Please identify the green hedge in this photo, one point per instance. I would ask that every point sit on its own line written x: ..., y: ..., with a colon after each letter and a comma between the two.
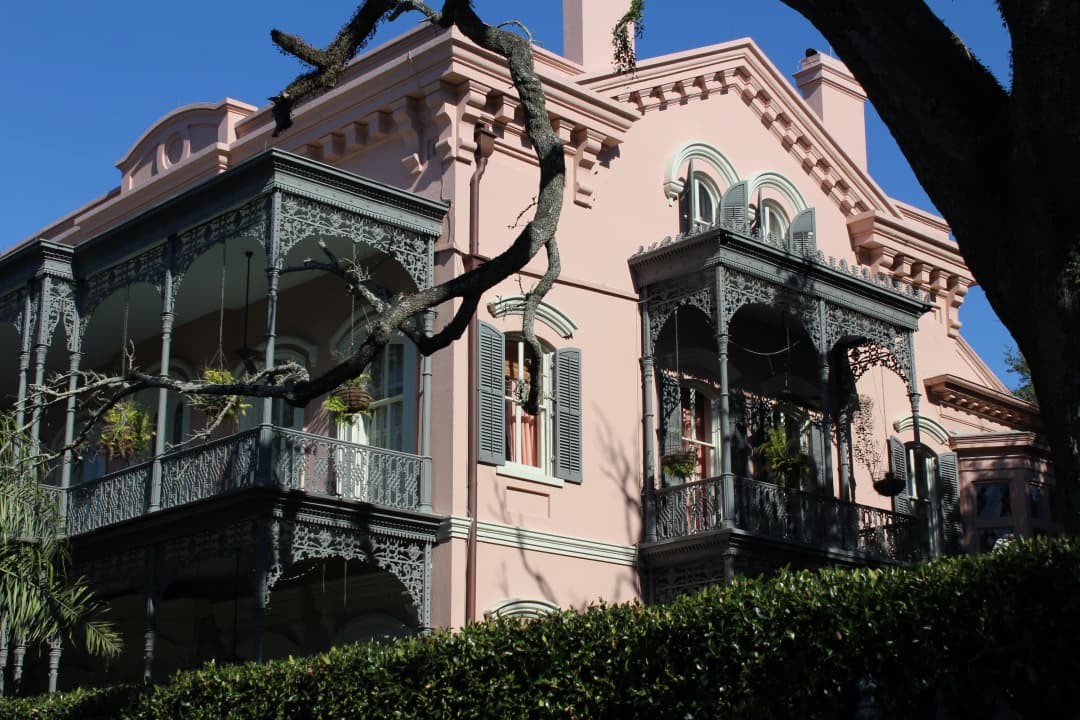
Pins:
x: 973, y: 635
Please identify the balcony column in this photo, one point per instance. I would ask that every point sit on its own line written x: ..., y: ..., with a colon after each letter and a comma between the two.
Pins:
x: 263, y: 553
x: 18, y: 655
x: 425, y: 419
x: 3, y: 652
x: 827, y: 477
x: 264, y: 467
x: 648, y: 420
x: 727, y: 477
x: 41, y: 349
x: 843, y: 423
x: 26, y: 334
x: 74, y: 359
x: 150, y: 633
x: 167, y: 319
x: 921, y: 479
x: 56, y: 649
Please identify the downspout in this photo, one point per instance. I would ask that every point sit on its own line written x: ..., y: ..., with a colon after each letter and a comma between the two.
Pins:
x: 485, y: 145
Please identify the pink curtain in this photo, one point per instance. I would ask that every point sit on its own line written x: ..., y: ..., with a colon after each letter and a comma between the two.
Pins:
x: 529, y: 453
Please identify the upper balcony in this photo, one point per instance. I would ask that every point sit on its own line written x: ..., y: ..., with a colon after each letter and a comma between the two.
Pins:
x: 300, y: 462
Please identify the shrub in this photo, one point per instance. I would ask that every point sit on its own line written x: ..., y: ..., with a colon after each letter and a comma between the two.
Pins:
x: 974, y: 636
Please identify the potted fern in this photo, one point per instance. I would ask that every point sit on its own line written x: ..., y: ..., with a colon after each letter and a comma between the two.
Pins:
x: 787, y: 465
x: 127, y: 431
x: 350, y: 399
x: 212, y: 406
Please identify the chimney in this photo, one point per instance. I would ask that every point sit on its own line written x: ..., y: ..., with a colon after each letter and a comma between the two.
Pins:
x: 838, y: 99
x: 587, y: 28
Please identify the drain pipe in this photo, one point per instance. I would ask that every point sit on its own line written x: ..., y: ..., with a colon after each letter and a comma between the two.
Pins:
x: 485, y: 145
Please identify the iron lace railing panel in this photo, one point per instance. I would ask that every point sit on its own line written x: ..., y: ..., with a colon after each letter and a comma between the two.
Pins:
x: 325, y: 466
x: 785, y: 514
x: 207, y: 470
x: 109, y: 499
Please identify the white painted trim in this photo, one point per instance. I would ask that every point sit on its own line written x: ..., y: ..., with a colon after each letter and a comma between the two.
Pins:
x: 697, y: 149
x: 782, y: 185
x: 927, y: 425
x: 520, y: 608
x: 519, y: 471
x: 456, y: 527
x: 547, y: 313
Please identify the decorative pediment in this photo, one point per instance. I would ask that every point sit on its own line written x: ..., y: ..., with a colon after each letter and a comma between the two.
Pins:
x: 174, y: 138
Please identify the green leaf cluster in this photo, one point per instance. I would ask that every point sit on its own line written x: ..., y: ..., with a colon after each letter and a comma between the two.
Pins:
x: 230, y: 408
x: 988, y: 636
x: 127, y: 430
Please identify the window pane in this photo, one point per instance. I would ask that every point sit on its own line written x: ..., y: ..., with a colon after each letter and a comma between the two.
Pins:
x: 395, y: 369
x: 992, y: 500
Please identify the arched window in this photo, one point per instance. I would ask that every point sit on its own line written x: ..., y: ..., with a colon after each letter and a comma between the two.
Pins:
x: 774, y: 221
x: 699, y: 203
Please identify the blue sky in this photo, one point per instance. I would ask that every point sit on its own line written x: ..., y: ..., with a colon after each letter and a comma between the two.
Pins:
x: 84, y: 80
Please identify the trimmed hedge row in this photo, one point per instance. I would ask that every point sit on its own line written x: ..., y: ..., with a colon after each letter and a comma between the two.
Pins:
x: 971, y: 635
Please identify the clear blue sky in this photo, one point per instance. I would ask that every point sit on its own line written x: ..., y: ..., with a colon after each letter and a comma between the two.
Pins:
x: 83, y: 80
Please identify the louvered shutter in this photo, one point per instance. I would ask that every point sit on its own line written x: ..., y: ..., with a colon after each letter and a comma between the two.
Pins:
x: 949, y: 489
x: 801, y: 233
x: 898, y: 466
x: 670, y: 411
x: 817, y: 455
x: 491, y: 404
x: 733, y: 207
x: 567, y: 425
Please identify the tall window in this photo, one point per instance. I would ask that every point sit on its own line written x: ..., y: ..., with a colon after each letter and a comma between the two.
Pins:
x: 390, y: 420
x: 545, y: 446
x: 697, y: 430
x: 916, y: 487
x: 528, y: 436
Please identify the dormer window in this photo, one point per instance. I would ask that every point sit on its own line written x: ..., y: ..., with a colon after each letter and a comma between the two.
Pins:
x: 698, y: 203
x: 773, y: 219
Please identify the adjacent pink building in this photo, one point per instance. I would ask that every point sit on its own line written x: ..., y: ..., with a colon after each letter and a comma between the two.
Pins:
x: 748, y: 335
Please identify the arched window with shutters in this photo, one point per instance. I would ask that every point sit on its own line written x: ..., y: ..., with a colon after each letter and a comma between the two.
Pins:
x: 546, y: 446
x: 943, y: 468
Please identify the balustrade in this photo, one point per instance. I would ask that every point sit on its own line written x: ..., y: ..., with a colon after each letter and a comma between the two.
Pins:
x: 326, y: 466
x: 301, y: 461
x: 777, y: 512
x: 109, y: 499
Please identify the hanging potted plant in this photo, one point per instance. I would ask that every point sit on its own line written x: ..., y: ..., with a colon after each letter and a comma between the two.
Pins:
x: 126, y: 432
x: 787, y: 465
x: 867, y: 453
x: 212, y: 406
x: 680, y: 463
x: 350, y: 399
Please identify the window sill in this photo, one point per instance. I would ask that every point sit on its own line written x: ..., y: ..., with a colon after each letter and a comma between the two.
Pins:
x: 527, y: 472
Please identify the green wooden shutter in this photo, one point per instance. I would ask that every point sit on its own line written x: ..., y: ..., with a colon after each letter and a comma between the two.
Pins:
x: 491, y: 403
x: 949, y: 492
x: 898, y: 465
x: 800, y: 239
x: 567, y: 424
x: 733, y: 207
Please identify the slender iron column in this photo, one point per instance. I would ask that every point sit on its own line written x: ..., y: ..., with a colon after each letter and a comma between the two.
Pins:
x: 826, y: 410
x: 921, y: 479
x: 727, y: 477
x: 648, y: 420
x: 843, y: 422
x: 56, y: 648
x: 74, y: 358
x: 263, y: 538
x: 150, y: 633
x: 41, y: 348
x: 167, y: 319
x: 26, y: 332
x: 264, y: 472
x: 18, y: 655
x: 425, y: 419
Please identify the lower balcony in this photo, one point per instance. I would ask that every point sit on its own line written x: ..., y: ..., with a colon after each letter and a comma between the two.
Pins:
x: 299, y: 461
x: 771, y: 512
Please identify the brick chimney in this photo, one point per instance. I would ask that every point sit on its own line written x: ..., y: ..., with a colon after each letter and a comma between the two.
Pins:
x: 838, y: 99
x: 587, y: 26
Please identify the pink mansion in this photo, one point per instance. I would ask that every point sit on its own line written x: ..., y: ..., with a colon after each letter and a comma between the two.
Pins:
x: 749, y: 343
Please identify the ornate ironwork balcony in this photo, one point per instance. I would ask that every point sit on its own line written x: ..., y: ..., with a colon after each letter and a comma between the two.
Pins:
x: 299, y: 461
x: 792, y: 515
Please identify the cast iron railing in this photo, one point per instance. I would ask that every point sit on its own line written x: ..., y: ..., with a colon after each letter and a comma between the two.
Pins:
x: 325, y: 466
x: 299, y: 461
x: 776, y: 512
x: 109, y: 499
